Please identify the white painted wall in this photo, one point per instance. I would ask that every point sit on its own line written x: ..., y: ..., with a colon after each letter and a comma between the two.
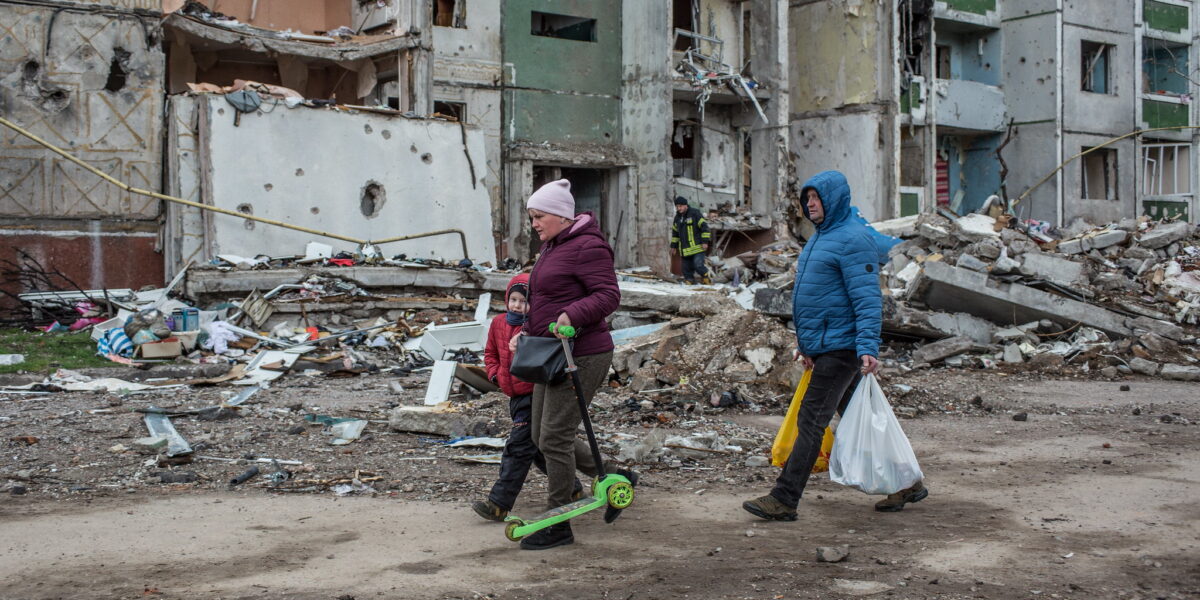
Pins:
x: 420, y: 163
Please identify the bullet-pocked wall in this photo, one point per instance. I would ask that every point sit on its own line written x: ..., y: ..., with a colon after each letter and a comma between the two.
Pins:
x: 842, y: 104
x: 1099, y: 108
x: 466, y: 82
x: 646, y: 126
x: 426, y: 183
x: 562, y: 70
x: 92, y: 83
x: 1031, y: 74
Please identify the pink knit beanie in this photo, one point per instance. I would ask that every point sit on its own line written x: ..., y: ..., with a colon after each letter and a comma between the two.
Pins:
x: 554, y: 198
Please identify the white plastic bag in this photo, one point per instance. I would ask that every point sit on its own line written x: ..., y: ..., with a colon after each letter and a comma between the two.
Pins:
x: 870, y: 451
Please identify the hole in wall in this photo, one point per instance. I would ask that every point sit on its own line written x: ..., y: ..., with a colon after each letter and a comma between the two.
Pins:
x: 314, y: 210
x: 29, y: 71
x: 268, y: 187
x: 367, y: 129
x: 413, y: 148
x: 117, y: 75
x: 246, y: 209
x: 49, y: 99
x: 387, y: 135
x: 299, y: 172
x: 427, y: 158
x: 372, y: 199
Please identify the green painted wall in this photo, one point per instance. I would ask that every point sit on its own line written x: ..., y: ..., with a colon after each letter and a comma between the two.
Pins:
x: 566, y: 90
x: 539, y: 116
x: 556, y: 64
x: 1165, y: 209
x: 911, y: 98
x: 979, y: 7
x: 1165, y: 17
x: 1164, y: 114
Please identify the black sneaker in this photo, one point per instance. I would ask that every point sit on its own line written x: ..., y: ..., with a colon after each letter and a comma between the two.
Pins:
x: 554, y: 535
x: 769, y: 508
x: 610, y: 513
x: 489, y: 510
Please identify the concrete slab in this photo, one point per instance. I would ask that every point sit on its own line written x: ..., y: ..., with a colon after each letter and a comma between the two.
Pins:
x: 214, y: 284
x: 963, y: 324
x: 1180, y: 372
x: 433, y: 419
x: 944, y: 287
x: 1054, y: 268
x: 1164, y: 235
x: 942, y: 349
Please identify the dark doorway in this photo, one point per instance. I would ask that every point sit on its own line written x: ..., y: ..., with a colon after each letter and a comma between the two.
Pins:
x: 590, y: 188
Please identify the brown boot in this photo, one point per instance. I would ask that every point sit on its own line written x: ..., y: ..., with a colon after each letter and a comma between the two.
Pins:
x: 769, y: 508
x: 896, y: 502
x: 489, y: 510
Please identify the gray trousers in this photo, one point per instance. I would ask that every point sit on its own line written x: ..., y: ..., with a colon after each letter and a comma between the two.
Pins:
x: 556, y: 422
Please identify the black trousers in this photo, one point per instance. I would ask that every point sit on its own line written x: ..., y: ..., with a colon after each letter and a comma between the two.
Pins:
x: 693, y: 265
x: 519, y: 453
x: 835, y: 376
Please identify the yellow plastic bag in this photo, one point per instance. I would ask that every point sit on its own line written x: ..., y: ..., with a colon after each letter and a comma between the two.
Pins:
x: 785, y: 438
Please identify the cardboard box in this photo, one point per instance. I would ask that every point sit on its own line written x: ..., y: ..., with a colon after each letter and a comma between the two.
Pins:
x: 168, y: 348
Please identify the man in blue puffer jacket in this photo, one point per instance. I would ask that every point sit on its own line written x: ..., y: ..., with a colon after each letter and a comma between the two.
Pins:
x: 838, y: 311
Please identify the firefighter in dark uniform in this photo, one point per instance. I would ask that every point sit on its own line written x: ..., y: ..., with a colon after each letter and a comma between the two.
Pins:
x: 690, y: 239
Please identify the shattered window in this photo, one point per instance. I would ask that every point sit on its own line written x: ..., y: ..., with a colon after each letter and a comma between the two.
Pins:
x: 1095, y: 60
x: 1100, y: 175
x: 563, y: 27
x: 457, y: 110
x: 1165, y: 68
x: 450, y: 13
x: 1167, y: 169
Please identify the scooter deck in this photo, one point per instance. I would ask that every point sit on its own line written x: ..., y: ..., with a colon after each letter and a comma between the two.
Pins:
x: 518, y: 528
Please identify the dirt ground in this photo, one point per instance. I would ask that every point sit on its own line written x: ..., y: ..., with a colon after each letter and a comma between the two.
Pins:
x: 1093, y: 496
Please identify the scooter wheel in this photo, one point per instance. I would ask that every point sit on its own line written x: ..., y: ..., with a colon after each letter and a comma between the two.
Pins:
x: 620, y: 495
x: 510, y: 530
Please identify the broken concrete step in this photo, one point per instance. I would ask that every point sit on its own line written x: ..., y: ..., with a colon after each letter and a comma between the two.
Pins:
x: 945, y: 287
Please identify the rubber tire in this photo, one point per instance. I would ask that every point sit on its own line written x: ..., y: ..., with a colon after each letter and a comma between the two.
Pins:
x: 620, y: 495
x: 511, y: 528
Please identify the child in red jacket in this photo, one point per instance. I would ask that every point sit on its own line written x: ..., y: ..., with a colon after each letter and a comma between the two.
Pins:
x: 519, y: 451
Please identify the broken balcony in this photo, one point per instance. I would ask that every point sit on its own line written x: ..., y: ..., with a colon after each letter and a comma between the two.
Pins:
x: 966, y: 15
x: 970, y: 106
x: 359, y: 69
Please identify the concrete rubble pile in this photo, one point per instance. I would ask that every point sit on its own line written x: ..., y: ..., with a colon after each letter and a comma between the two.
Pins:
x: 1119, y: 298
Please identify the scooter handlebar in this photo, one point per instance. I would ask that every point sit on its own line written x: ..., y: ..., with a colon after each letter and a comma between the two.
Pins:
x: 565, y: 330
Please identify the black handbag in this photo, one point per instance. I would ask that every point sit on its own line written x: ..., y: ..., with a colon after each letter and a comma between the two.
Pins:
x: 539, y: 360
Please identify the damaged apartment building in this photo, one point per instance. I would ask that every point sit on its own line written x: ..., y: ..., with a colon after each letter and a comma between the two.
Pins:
x: 375, y: 119
x: 989, y: 97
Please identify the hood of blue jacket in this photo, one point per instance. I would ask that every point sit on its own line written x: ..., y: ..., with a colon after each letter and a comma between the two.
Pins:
x: 834, y: 191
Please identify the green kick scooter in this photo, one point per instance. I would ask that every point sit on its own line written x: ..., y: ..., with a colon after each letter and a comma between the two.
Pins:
x: 607, y: 490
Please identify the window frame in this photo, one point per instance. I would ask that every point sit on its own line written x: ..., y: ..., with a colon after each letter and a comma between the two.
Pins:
x: 1110, y: 174
x: 1098, y: 50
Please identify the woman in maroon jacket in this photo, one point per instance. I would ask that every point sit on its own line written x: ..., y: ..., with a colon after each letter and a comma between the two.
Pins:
x: 573, y: 283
